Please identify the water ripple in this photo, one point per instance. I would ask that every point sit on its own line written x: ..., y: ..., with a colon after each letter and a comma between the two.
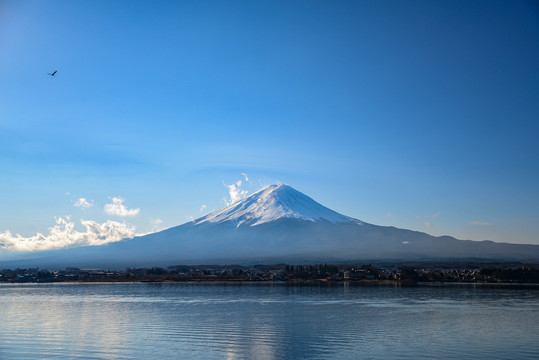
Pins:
x: 196, y: 321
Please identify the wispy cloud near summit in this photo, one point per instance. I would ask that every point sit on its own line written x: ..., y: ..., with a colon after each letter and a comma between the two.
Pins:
x: 235, y: 192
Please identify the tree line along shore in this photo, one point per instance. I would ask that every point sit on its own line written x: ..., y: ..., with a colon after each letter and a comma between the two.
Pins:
x: 406, y: 273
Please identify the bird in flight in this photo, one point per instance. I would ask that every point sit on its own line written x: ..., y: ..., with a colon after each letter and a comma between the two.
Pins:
x: 54, y: 72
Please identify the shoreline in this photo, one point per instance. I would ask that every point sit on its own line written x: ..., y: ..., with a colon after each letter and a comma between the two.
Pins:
x: 325, y: 282
x: 290, y: 274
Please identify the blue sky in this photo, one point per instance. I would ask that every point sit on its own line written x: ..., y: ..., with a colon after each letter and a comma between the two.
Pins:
x: 421, y: 115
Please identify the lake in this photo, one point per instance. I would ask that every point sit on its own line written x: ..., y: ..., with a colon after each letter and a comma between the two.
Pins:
x: 268, y: 321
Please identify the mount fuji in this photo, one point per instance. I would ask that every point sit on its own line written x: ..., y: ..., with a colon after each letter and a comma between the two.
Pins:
x: 273, y: 203
x: 281, y: 224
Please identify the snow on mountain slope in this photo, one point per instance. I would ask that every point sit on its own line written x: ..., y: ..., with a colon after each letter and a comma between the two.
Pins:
x: 272, y: 203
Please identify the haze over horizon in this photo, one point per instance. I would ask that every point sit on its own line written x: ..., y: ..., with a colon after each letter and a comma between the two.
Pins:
x: 419, y: 115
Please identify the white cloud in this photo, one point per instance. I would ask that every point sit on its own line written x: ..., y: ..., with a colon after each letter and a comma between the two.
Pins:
x: 83, y: 203
x: 118, y: 208
x: 245, y: 175
x: 63, y: 234
x: 156, y: 224
x: 428, y: 224
x: 235, y: 192
x: 479, y: 223
x: 204, y: 206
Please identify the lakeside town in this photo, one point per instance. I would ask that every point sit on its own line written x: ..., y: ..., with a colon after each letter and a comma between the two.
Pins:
x: 407, y: 273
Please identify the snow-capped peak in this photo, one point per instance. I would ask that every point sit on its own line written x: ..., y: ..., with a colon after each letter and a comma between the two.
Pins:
x: 271, y: 203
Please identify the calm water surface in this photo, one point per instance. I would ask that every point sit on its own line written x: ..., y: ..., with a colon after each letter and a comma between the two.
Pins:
x: 267, y: 321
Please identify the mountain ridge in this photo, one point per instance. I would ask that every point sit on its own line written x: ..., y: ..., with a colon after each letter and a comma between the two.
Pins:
x: 279, y: 223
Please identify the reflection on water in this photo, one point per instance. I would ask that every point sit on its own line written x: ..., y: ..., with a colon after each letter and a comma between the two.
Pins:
x: 267, y: 321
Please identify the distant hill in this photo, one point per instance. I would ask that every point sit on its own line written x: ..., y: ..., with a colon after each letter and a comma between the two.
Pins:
x: 278, y: 224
